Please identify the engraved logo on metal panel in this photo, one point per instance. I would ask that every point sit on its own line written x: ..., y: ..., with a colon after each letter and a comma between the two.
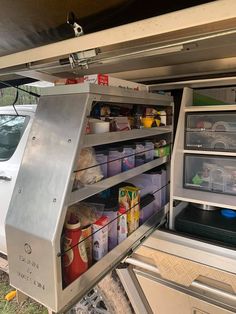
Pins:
x: 27, y: 248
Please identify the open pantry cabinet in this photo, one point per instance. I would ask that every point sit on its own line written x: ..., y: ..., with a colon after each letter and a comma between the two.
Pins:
x: 40, y: 250
x: 192, y: 259
x: 192, y: 47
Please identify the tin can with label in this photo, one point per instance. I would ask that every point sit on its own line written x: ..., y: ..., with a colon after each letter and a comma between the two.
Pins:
x: 74, y: 260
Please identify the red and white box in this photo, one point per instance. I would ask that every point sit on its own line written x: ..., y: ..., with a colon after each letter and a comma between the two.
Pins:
x: 100, y: 238
x: 105, y: 80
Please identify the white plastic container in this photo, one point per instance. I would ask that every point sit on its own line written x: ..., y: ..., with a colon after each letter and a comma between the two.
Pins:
x: 97, y: 127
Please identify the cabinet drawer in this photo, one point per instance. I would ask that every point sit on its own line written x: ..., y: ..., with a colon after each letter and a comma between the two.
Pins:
x: 208, y: 173
x: 189, y: 279
x: 208, y: 140
x: 184, y: 271
x: 211, y: 131
x: 168, y: 300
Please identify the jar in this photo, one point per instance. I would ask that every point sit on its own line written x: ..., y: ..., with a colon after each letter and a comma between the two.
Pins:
x: 114, y: 167
x: 128, y: 161
x: 149, y: 154
x: 74, y: 260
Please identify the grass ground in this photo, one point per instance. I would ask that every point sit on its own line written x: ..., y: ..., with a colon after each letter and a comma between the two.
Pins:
x: 12, y: 307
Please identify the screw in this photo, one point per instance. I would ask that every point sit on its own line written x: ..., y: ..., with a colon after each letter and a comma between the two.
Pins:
x: 19, y: 191
x: 33, y: 138
x: 54, y: 200
x: 69, y: 140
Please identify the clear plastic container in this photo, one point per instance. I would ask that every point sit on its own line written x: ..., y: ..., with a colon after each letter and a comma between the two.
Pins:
x: 114, y: 167
x: 128, y: 161
x: 102, y: 158
x: 211, y: 131
x: 149, y: 154
x: 140, y: 158
x: 207, y: 173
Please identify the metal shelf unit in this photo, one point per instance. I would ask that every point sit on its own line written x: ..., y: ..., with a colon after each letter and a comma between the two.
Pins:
x: 177, y: 191
x: 42, y: 192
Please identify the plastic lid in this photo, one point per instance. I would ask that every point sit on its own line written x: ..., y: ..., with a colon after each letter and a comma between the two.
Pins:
x: 229, y: 213
x: 72, y: 222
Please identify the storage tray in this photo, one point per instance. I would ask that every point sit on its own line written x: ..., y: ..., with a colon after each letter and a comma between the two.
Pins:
x: 211, y: 131
x: 208, y: 173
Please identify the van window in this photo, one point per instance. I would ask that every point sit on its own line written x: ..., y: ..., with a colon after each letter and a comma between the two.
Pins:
x: 11, y: 129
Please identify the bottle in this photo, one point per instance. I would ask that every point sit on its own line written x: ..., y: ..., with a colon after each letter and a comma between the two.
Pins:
x: 122, y: 224
x: 74, y: 260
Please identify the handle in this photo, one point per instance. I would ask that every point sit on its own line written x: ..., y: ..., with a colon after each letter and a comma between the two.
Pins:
x: 195, y: 145
x: 195, y: 283
x: 5, y: 178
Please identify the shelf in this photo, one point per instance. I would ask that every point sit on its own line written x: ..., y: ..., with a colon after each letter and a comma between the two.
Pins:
x: 114, y: 257
x: 112, y: 137
x: 102, y: 185
x: 209, y: 152
x: 210, y: 108
x: 208, y: 198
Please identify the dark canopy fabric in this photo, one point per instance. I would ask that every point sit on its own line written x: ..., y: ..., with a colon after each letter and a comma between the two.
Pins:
x: 26, y: 24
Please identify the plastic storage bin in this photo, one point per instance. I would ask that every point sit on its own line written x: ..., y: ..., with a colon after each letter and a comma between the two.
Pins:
x: 128, y: 161
x: 140, y: 158
x: 102, y: 158
x: 114, y: 167
x: 207, y: 173
x: 211, y: 131
x: 149, y: 154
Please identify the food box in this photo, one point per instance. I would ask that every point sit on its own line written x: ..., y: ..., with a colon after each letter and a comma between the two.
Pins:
x: 100, y: 238
x: 103, y: 79
x: 129, y: 198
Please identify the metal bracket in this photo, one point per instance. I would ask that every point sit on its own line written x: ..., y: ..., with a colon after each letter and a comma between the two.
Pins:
x: 73, y: 21
x: 82, y: 59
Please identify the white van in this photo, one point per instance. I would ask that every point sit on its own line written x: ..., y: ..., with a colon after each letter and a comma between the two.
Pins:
x: 14, y: 131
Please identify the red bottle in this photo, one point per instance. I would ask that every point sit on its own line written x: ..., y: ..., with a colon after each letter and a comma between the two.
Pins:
x: 75, y: 260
